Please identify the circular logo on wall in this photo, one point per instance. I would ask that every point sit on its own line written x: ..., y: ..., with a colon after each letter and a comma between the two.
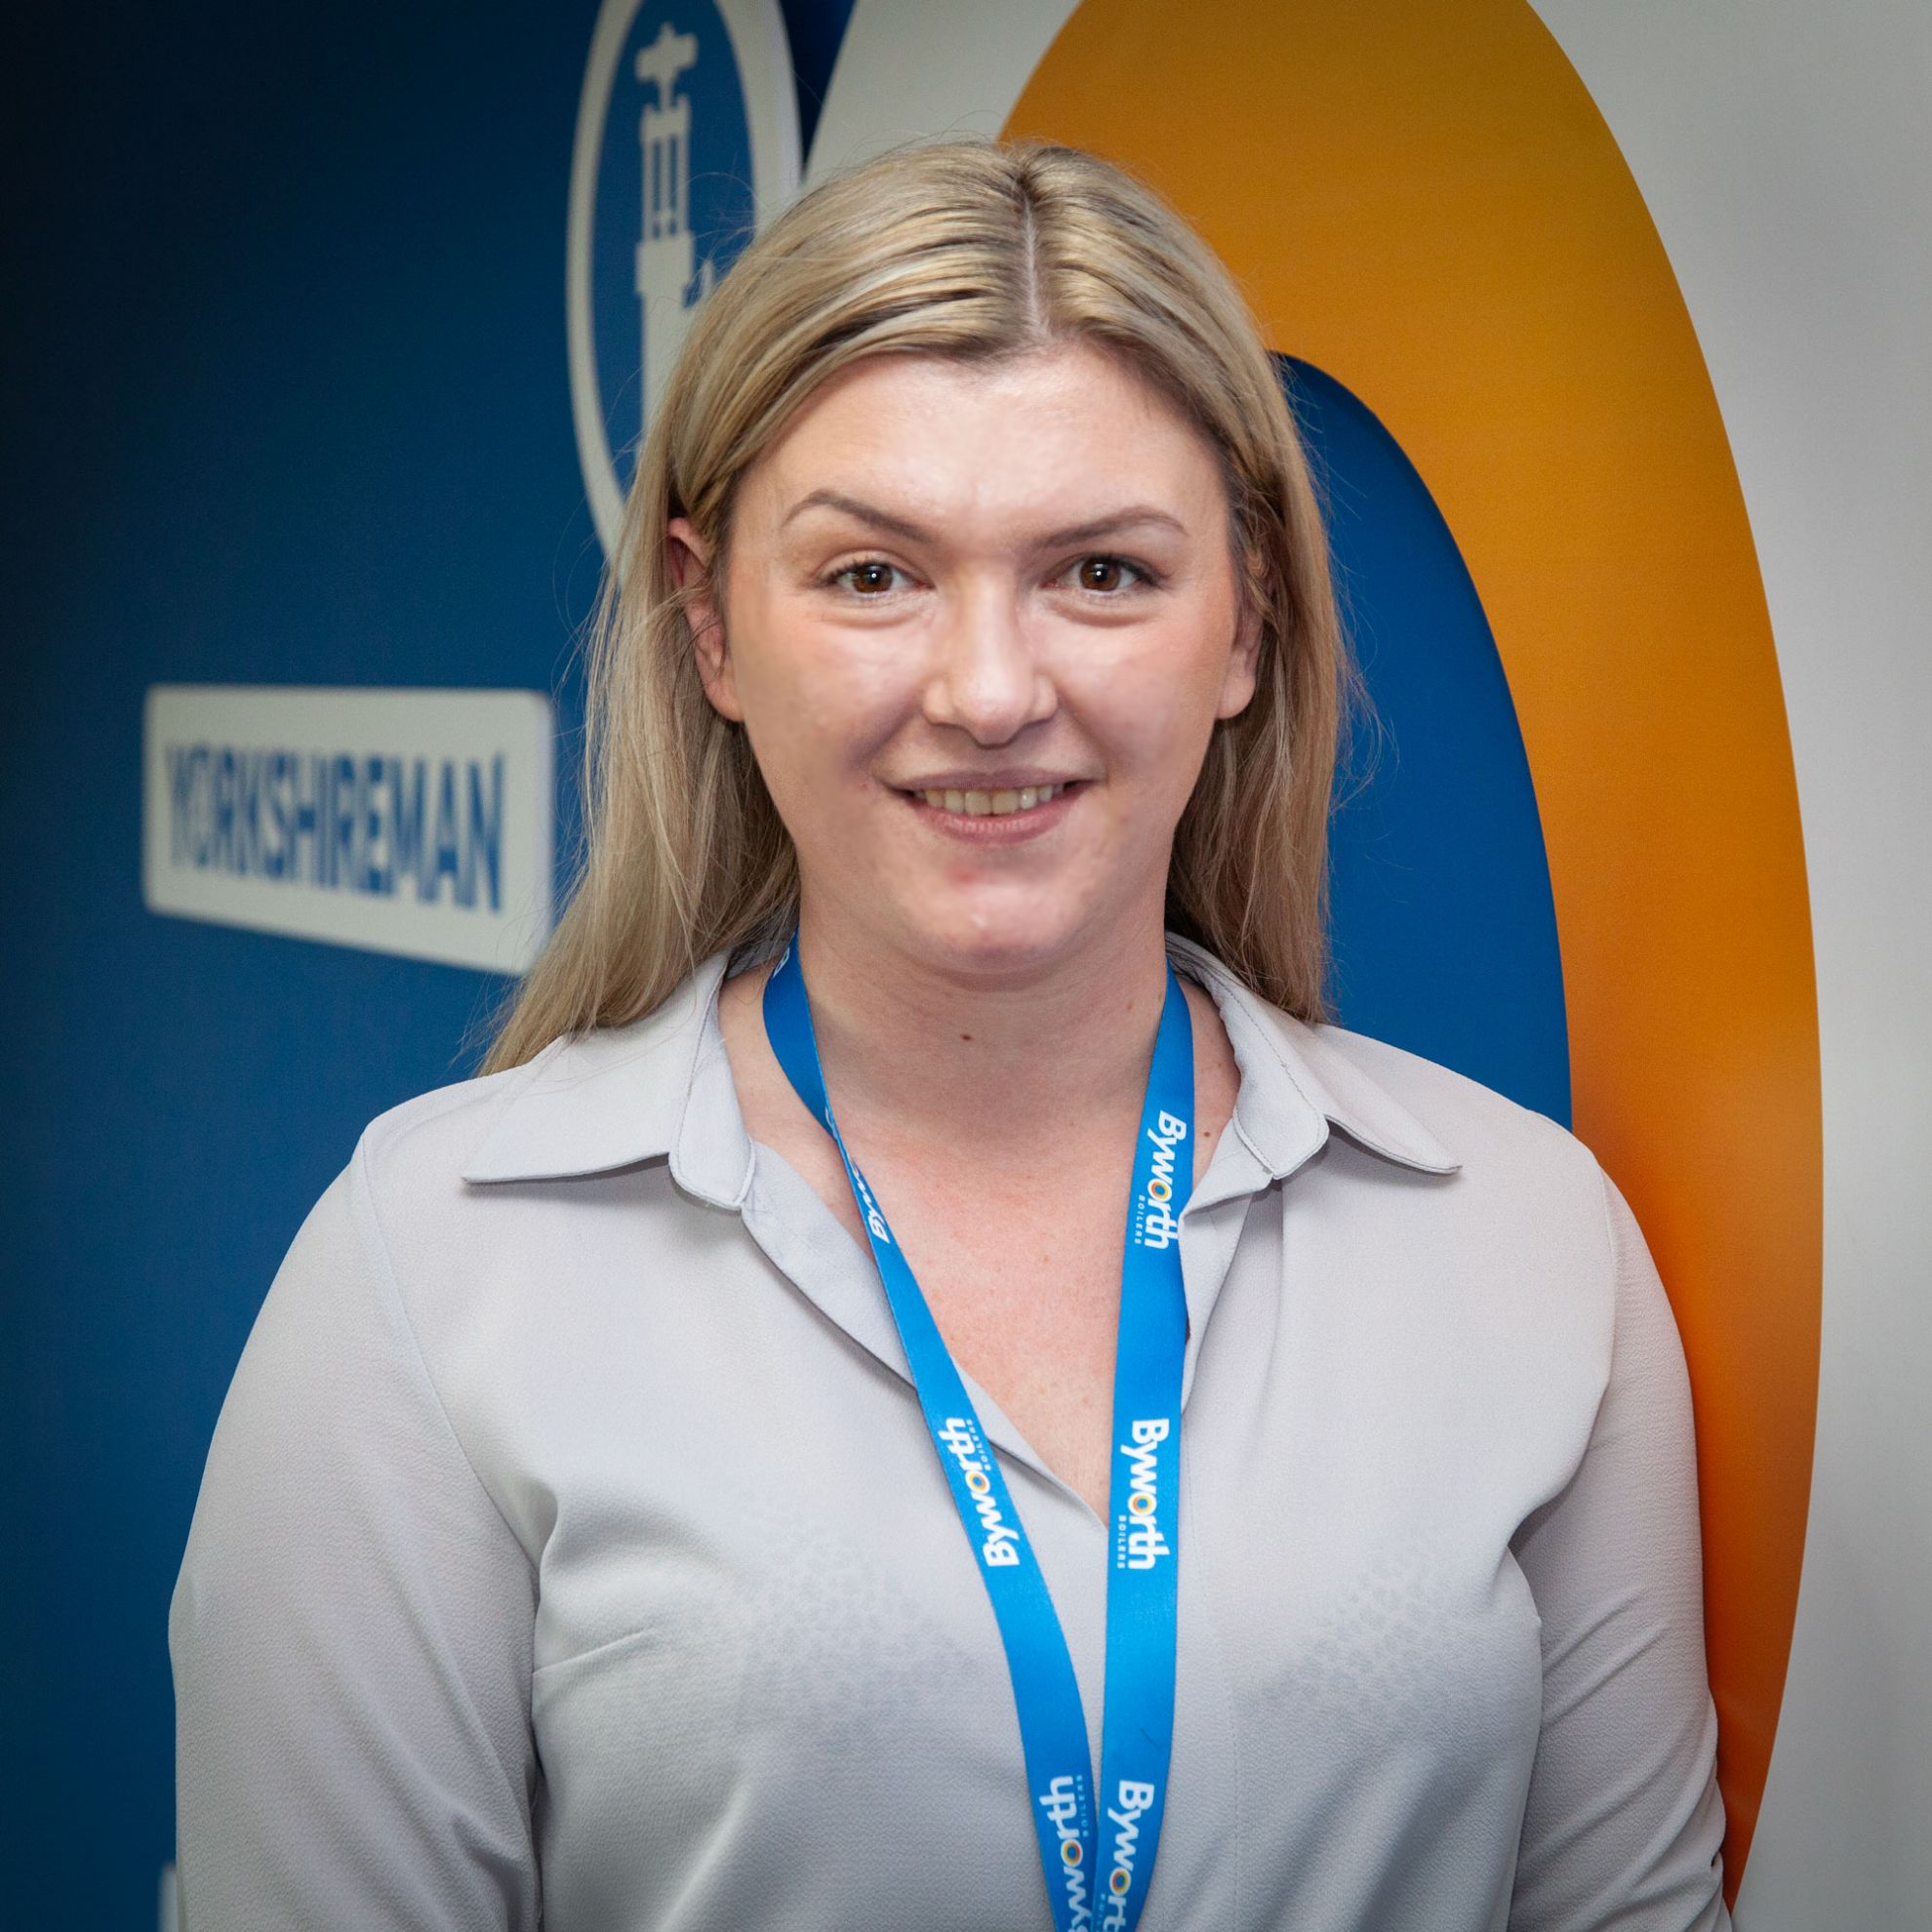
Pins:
x: 687, y: 143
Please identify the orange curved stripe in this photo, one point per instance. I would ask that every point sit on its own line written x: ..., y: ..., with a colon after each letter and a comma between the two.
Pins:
x: 1420, y: 197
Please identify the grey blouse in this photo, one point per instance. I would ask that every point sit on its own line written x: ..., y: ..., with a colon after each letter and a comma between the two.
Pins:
x: 571, y: 1549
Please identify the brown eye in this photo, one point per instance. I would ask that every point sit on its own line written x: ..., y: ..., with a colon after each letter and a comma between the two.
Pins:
x: 868, y: 579
x: 1106, y: 575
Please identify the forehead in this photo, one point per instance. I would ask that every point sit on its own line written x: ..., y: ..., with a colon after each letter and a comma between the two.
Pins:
x: 1035, y: 434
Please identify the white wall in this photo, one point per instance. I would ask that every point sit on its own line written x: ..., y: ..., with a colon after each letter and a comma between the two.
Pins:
x: 1782, y: 148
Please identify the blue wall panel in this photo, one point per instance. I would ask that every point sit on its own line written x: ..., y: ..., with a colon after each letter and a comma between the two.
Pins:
x: 288, y: 403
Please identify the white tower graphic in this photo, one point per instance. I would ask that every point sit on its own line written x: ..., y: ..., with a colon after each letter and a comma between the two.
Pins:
x: 671, y: 265
x: 667, y: 289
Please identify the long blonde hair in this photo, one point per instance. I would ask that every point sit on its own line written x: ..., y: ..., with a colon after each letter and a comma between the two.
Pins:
x: 972, y: 249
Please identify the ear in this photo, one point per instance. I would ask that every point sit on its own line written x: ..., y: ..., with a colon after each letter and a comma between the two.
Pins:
x: 1237, y: 687
x: 689, y: 558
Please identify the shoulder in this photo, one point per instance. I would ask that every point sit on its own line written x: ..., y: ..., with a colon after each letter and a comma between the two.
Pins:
x: 440, y: 1171
x: 1501, y: 1208
x: 1514, y: 1263
x: 466, y: 1204
x: 1307, y: 1085
x: 1510, y: 1161
x: 589, y: 1103
x: 402, y: 1185
x: 494, y: 1179
x: 1481, y: 1124
x: 342, y: 1311
x: 424, y: 1143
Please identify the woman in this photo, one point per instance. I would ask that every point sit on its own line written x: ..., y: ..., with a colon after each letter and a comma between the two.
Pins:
x: 725, y: 1467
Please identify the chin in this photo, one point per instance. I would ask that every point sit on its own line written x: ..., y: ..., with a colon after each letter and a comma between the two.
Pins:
x: 994, y: 941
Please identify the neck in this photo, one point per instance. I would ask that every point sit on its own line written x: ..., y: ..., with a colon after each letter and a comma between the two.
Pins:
x: 914, y: 1050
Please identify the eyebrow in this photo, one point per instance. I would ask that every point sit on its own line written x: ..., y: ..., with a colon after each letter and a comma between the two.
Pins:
x: 1129, y: 517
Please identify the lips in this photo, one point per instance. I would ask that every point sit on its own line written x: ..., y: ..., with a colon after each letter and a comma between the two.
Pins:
x: 989, y: 815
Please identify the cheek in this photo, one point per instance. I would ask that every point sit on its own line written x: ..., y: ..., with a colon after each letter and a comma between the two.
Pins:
x: 1154, y: 711
x: 817, y: 702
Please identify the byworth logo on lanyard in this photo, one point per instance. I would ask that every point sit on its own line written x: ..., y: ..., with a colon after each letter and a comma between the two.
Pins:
x: 1097, y: 1850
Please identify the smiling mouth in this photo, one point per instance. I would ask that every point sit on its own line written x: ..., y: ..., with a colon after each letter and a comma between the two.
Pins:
x: 991, y: 804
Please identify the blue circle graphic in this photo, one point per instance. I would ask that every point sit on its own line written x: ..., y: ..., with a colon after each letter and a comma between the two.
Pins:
x: 1443, y: 923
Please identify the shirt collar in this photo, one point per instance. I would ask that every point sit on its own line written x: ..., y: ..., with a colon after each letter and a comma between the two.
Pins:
x: 661, y: 1086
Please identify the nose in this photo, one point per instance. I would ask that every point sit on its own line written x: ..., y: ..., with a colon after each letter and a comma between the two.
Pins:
x: 987, y: 678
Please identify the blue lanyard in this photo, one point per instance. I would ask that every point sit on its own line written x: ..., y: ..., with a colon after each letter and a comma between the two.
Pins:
x: 1097, y: 1871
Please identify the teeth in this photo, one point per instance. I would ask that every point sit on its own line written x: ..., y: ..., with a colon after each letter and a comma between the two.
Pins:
x: 991, y: 804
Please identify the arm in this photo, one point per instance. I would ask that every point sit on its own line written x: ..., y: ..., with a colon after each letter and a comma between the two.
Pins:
x: 350, y: 1631
x: 1624, y: 1822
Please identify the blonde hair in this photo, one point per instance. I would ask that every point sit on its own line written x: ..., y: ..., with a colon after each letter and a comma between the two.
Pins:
x: 975, y: 251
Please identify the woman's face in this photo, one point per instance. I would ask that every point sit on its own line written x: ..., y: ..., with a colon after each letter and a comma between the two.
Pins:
x: 980, y: 623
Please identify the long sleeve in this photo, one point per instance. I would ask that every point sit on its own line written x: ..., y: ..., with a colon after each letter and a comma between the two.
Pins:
x: 1624, y: 1820
x: 352, y: 1629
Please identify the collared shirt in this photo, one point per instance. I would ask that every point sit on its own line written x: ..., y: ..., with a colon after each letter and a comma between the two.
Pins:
x: 571, y: 1545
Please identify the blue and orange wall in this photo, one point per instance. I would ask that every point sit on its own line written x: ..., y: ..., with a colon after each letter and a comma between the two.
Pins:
x: 1623, y: 503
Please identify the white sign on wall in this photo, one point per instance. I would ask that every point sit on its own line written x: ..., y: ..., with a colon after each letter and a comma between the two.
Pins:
x: 408, y: 821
